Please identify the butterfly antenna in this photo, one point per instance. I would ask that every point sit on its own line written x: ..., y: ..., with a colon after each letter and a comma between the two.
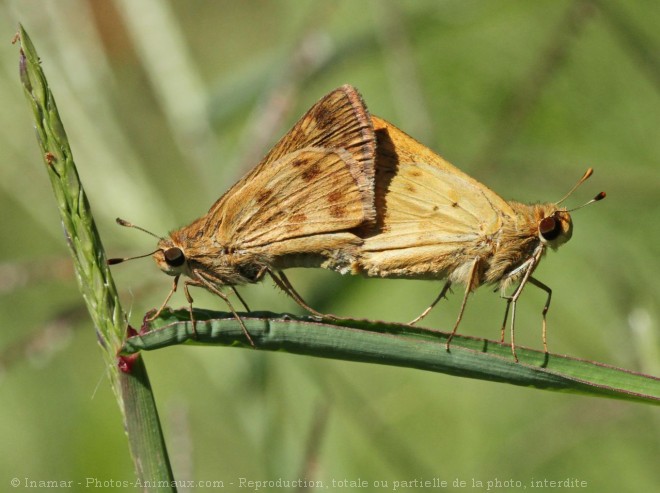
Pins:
x: 115, y: 261
x: 123, y: 222
x: 584, y: 178
x: 598, y: 197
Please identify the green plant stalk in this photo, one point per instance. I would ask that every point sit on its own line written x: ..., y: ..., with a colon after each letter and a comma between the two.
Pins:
x: 399, y: 345
x: 131, y: 387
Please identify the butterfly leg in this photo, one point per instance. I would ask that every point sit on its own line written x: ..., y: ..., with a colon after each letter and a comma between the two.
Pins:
x: 247, y: 308
x: 190, y: 302
x: 529, y: 267
x: 547, y: 289
x: 203, y: 282
x: 285, y: 285
x: 469, y: 286
x: 442, y: 294
x: 506, y: 315
x: 511, y: 302
x: 167, y: 299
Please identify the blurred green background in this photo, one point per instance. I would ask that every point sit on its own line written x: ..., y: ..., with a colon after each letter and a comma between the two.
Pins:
x: 168, y: 103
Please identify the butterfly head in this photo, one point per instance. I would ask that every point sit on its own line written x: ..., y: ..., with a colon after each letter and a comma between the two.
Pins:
x: 170, y: 258
x: 555, y: 228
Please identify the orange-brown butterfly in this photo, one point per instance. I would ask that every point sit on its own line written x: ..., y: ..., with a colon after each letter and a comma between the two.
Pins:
x: 299, y: 207
x: 436, y: 222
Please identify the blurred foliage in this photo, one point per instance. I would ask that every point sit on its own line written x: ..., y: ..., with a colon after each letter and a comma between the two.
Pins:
x: 167, y: 103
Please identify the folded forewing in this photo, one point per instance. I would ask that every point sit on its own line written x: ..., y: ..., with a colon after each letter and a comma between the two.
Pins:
x: 305, y: 193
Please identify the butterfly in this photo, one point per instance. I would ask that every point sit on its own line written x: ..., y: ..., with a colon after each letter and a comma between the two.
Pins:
x: 299, y: 207
x: 436, y: 222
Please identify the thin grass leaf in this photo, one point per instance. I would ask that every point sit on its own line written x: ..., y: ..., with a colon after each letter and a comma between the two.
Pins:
x: 398, y: 345
x: 131, y: 388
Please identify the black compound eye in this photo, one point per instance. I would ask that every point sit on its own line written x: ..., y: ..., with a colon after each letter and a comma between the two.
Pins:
x: 174, y: 257
x: 549, y: 228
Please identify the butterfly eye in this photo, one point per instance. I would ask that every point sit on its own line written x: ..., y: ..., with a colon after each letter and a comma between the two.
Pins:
x: 549, y: 228
x: 174, y: 257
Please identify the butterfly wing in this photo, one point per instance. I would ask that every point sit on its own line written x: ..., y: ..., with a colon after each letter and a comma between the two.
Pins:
x: 317, y: 181
x: 305, y: 193
x: 430, y: 213
x: 337, y: 122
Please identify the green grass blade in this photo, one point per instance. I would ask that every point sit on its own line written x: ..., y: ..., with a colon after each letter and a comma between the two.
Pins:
x: 132, y: 388
x: 399, y: 345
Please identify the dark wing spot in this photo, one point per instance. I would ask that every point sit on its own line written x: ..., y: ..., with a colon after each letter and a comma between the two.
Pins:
x: 436, y: 208
x: 335, y: 196
x: 415, y: 173
x: 337, y: 211
x: 298, y: 218
x: 298, y: 162
x: 410, y: 188
x: 264, y: 196
x: 323, y: 117
x: 454, y: 204
x: 311, y: 173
